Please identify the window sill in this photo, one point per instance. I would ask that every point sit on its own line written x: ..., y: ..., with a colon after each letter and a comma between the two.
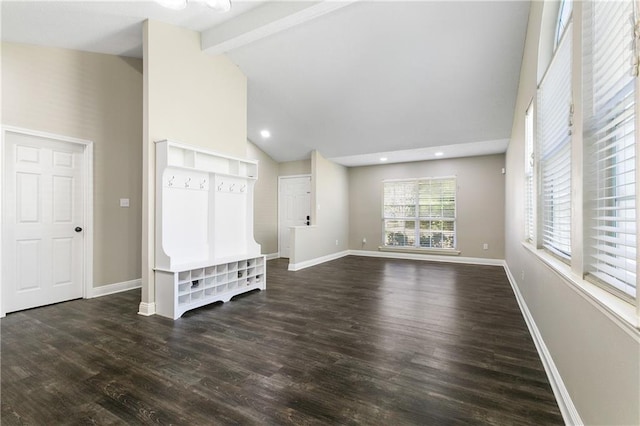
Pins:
x: 620, y: 311
x: 443, y: 252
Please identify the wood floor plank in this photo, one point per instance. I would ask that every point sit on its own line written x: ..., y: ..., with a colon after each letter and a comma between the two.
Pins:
x: 353, y: 341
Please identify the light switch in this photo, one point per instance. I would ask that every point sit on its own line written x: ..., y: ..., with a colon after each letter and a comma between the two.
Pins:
x: 124, y: 202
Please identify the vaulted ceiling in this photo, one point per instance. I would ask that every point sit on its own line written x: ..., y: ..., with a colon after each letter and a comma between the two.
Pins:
x: 360, y: 81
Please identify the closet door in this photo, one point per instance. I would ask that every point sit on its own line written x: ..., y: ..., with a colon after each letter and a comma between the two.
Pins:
x: 43, y: 226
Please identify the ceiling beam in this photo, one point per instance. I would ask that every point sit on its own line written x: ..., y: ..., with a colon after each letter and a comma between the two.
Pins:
x: 263, y: 21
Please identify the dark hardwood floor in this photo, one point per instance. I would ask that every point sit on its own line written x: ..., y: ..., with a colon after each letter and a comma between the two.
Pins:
x: 353, y: 341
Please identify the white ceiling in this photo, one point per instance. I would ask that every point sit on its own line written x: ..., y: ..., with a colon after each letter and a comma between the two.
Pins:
x: 395, y: 79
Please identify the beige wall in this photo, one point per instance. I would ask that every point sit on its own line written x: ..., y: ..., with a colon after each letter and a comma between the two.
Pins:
x: 598, y: 360
x: 479, y: 203
x: 291, y: 168
x: 99, y: 98
x: 265, y: 211
x: 330, y: 208
x: 190, y: 97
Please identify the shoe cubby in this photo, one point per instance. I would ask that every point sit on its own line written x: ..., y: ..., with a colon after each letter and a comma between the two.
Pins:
x: 180, y: 291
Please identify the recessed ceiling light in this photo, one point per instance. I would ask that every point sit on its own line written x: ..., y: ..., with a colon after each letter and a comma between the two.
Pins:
x: 383, y: 158
x: 265, y: 133
x: 439, y: 154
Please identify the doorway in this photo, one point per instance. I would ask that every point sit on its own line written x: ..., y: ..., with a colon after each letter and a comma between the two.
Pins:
x: 46, y: 219
x: 294, y: 208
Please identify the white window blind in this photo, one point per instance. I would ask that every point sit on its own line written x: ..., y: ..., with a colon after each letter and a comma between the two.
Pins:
x: 610, y: 110
x: 420, y: 213
x: 554, y: 136
x: 529, y: 228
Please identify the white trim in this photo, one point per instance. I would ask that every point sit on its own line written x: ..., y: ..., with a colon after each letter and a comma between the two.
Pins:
x: 420, y: 250
x: 87, y: 176
x: 105, y: 290
x: 565, y: 403
x: 272, y: 256
x: 429, y: 257
x: 394, y: 255
x: 88, y: 219
x: 147, y: 309
x: 318, y: 260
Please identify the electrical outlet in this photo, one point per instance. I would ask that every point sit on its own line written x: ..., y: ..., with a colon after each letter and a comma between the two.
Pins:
x: 485, y: 246
x: 336, y: 242
x: 364, y: 240
x: 124, y: 202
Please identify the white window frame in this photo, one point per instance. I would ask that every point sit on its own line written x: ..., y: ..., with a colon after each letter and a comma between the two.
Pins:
x: 565, y: 13
x: 530, y: 175
x: 417, y: 218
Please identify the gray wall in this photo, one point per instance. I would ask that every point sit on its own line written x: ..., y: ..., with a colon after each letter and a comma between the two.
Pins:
x: 265, y: 202
x: 479, y: 202
x: 598, y: 359
x: 99, y: 98
x: 330, y: 208
x: 290, y: 168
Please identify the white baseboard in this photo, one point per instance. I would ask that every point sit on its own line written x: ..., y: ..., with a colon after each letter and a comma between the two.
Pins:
x: 318, y: 260
x: 565, y: 403
x: 429, y: 257
x: 115, y: 288
x: 396, y: 255
x: 272, y: 256
x: 147, y: 309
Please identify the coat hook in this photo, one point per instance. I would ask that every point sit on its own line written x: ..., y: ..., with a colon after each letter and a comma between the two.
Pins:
x: 186, y: 184
x: 202, y: 183
x: 231, y: 186
x: 242, y: 188
x: 220, y: 186
x: 171, y: 180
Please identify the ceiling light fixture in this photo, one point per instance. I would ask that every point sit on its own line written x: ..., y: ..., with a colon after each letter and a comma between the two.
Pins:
x: 173, y: 4
x: 220, y: 6
x: 265, y: 133
x: 383, y: 158
x: 439, y: 154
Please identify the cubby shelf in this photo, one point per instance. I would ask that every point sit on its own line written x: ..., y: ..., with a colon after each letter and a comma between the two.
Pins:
x: 186, y: 157
x: 180, y: 291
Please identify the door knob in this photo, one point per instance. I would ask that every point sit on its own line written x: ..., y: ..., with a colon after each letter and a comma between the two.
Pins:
x: 78, y: 229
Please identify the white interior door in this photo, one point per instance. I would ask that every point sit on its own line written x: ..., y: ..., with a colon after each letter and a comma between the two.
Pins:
x: 294, y: 208
x: 43, y: 257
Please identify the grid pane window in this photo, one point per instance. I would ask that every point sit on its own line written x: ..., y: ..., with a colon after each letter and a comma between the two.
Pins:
x: 420, y: 213
x: 400, y: 233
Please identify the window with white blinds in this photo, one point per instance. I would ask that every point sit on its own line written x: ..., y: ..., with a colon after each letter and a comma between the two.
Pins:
x: 419, y: 213
x: 529, y: 216
x: 554, y: 139
x: 610, y: 144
